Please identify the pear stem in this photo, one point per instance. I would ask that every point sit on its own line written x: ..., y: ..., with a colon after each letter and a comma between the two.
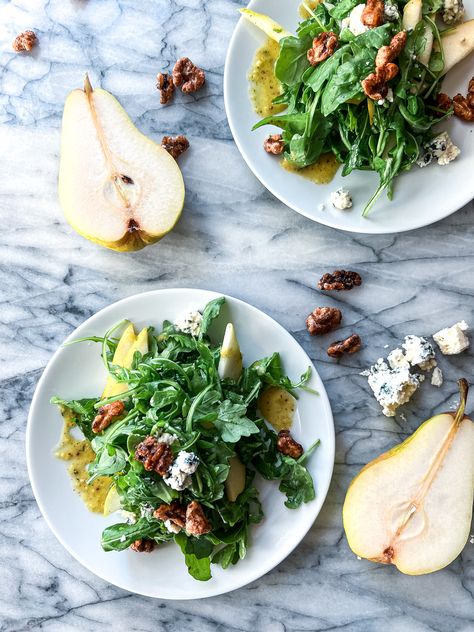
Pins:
x: 463, y: 391
x: 88, y: 89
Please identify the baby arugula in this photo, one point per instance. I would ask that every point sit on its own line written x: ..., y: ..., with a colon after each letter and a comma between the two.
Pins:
x: 327, y: 110
x: 175, y: 388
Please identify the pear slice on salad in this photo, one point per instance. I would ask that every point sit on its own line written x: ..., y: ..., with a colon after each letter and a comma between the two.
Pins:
x: 412, y: 14
x: 457, y: 43
x: 125, y: 343
x: 265, y: 24
x: 141, y: 345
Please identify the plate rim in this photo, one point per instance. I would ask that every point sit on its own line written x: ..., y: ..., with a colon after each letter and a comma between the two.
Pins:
x: 372, y: 229
x: 260, y: 571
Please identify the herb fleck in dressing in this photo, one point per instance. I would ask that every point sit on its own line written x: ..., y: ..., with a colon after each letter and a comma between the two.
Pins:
x: 321, y: 172
x: 80, y: 454
x: 278, y: 407
x: 264, y: 86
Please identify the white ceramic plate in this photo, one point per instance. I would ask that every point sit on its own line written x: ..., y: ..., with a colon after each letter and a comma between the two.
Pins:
x: 422, y: 196
x: 76, y: 371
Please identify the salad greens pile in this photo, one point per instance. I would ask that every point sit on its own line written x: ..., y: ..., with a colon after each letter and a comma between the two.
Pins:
x: 175, y: 388
x: 327, y: 110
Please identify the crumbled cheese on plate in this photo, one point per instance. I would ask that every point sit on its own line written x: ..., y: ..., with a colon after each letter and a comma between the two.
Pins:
x: 189, y: 323
x: 341, y: 199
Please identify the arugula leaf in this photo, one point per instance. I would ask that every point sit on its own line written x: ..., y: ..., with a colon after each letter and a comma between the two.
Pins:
x: 343, y: 8
x: 120, y: 536
x: 196, y: 556
x: 232, y: 422
x: 210, y: 313
x: 84, y: 413
x: 292, y: 60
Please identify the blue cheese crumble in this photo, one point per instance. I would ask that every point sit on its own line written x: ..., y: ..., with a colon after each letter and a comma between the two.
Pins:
x: 442, y: 148
x: 354, y: 21
x: 419, y: 352
x: 341, y: 199
x: 189, y: 323
x: 452, y: 340
x: 392, y: 387
x: 390, y: 11
x: 179, y: 474
x: 453, y: 11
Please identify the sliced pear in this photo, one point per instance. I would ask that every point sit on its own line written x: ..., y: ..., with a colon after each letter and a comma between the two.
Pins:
x: 230, y: 362
x: 412, y: 506
x: 141, y: 345
x: 371, y: 110
x: 124, y: 344
x: 235, y: 482
x: 265, y: 24
x: 424, y: 57
x: 457, y: 43
x: 412, y: 14
x: 112, y: 502
x: 116, y: 186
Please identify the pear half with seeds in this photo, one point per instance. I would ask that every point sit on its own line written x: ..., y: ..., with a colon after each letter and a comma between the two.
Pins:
x: 117, y: 187
x: 412, y: 506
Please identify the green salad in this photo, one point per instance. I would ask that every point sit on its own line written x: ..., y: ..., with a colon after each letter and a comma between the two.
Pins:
x: 179, y: 432
x: 351, y: 89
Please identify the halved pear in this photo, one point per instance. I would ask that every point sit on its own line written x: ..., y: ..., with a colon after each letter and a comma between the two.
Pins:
x: 457, y: 43
x: 116, y: 186
x: 265, y: 24
x: 412, y: 506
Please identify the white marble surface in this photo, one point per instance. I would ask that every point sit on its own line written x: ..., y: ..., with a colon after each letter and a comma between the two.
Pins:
x: 235, y: 238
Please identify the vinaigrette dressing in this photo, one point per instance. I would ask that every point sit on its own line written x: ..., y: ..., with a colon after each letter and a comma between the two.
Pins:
x: 321, y: 172
x: 278, y: 407
x: 264, y: 86
x: 79, y: 454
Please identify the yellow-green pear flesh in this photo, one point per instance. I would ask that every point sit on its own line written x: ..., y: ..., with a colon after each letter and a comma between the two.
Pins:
x: 457, y: 44
x: 117, y: 187
x: 412, y: 506
x: 412, y: 14
x: 126, y: 341
x: 141, y: 345
x: 235, y: 482
x: 424, y: 56
x: 265, y: 24
x: 230, y: 361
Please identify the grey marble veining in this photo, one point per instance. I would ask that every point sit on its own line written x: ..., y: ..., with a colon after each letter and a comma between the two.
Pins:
x: 233, y: 237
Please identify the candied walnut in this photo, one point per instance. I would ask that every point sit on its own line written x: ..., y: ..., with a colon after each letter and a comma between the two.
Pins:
x: 322, y: 320
x: 174, y: 512
x: 470, y: 93
x: 196, y: 521
x: 106, y: 415
x: 175, y: 145
x: 155, y: 455
x: 187, y: 75
x: 339, y: 280
x: 349, y: 345
x: 443, y: 101
x: 164, y: 83
x: 373, y: 13
x: 462, y: 109
x: 375, y: 86
x: 386, y: 54
x: 24, y: 41
x: 288, y: 446
x: 323, y: 47
x: 143, y: 546
x: 274, y: 144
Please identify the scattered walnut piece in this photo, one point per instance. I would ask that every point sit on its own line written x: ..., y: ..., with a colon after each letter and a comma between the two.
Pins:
x: 339, y: 280
x: 373, y: 13
x: 288, y: 446
x: 175, y: 512
x: 187, y: 75
x: 443, y: 101
x: 106, y: 415
x: 274, y: 144
x: 24, y: 41
x: 175, y: 145
x: 323, y: 47
x: 375, y: 86
x: 462, y: 109
x: 143, y: 546
x: 349, y: 345
x: 322, y: 320
x: 196, y: 521
x: 386, y: 54
x: 164, y: 83
x: 154, y: 455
